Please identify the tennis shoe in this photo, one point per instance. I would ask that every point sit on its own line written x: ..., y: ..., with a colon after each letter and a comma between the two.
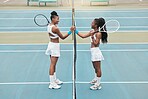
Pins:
x: 57, y: 81
x: 96, y: 87
x: 93, y: 81
x: 54, y: 86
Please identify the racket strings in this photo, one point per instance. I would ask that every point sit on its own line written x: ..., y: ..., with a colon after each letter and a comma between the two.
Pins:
x: 110, y: 26
x: 41, y: 20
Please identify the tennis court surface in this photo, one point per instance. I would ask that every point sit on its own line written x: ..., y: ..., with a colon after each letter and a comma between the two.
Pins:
x: 24, y: 65
x: 24, y: 72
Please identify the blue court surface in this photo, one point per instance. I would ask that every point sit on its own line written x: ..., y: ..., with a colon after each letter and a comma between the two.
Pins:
x: 24, y: 67
x: 24, y: 72
x: 22, y: 20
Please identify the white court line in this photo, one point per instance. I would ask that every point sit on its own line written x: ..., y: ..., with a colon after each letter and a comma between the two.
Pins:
x: 86, y: 10
x: 77, y: 82
x: 35, y: 51
x: 79, y: 18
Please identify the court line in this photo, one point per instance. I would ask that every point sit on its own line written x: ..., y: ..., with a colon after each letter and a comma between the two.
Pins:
x: 80, y: 18
x: 86, y: 10
x: 35, y: 51
x: 77, y: 82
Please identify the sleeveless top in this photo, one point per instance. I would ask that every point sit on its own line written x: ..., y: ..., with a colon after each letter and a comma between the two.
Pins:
x: 93, y: 36
x: 53, y: 35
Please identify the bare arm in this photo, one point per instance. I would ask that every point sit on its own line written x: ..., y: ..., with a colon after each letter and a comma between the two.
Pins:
x: 84, y: 35
x: 81, y: 34
x: 97, y: 40
x: 57, y: 31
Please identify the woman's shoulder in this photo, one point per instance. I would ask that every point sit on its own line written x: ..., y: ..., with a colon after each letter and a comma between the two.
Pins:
x: 98, y: 34
x: 55, y: 29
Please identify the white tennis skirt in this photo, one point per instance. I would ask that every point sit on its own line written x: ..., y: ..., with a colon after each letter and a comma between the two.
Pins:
x: 96, y: 54
x: 53, y: 49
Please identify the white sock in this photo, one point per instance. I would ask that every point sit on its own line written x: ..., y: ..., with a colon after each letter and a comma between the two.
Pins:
x: 98, y: 80
x: 54, y: 76
x: 51, y: 78
x: 95, y: 76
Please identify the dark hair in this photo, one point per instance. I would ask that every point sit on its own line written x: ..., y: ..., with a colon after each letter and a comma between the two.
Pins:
x: 53, y: 14
x: 100, y: 22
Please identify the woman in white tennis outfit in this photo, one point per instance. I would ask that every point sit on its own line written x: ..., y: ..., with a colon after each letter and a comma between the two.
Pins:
x: 96, y: 55
x: 53, y: 49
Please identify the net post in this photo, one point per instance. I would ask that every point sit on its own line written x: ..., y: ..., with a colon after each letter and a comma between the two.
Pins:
x: 73, y: 20
x: 74, y: 52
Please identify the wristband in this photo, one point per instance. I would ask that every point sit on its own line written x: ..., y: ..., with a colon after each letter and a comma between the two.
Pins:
x: 76, y: 31
x: 69, y: 32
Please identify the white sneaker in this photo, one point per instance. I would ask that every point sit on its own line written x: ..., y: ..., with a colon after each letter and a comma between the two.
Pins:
x: 96, y: 87
x: 54, y: 86
x: 93, y: 81
x: 57, y: 81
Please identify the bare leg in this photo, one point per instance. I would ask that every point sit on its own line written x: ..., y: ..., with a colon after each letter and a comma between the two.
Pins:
x: 97, y: 65
x: 52, y: 68
x: 94, y: 67
x: 53, y: 85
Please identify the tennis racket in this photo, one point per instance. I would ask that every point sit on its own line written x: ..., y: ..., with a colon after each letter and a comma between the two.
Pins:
x: 110, y: 26
x: 41, y: 20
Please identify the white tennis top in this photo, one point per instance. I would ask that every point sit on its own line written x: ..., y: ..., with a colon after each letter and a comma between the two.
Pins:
x: 49, y: 29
